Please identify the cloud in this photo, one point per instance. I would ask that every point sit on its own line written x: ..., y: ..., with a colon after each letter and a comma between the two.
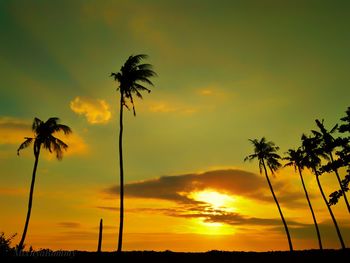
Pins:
x: 12, y: 130
x: 166, y: 107
x: 231, y: 181
x: 69, y: 224
x: 96, y: 111
x: 234, y: 183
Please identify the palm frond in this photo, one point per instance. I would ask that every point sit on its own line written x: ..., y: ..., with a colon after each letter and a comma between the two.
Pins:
x: 61, y: 127
x: 58, y: 147
x: 145, y: 80
x: 250, y: 157
x: 140, y: 87
x: 145, y: 67
x: 25, y: 144
x: 36, y: 124
x: 334, y: 129
x: 46, y: 142
x: 138, y: 94
x: 52, y: 121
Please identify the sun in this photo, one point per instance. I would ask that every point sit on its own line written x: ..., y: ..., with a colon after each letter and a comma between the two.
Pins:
x: 217, y: 200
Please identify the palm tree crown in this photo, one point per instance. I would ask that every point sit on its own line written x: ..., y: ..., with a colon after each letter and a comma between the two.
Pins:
x: 313, y: 151
x: 130, y: 77
x: 345, y: 127
x: 295, y: 158
x: 264, y: 150
x: 43, y: 132
x: 328, y: 142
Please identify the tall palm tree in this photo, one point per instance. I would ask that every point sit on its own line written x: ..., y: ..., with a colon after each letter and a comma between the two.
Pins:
x: 328, y: 144
x: 310, y: 145
x: 43, y: 137
x: 131, y: 77
x: 295, y: 158
x: 265, y: 152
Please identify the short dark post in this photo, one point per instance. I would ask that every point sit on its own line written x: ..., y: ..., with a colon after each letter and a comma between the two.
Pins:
x: 100, y: 236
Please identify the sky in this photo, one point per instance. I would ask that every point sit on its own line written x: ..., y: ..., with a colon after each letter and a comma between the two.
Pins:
x: 228, y: 71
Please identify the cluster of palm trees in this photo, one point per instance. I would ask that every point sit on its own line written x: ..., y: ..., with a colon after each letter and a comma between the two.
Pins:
x: 131, y: 77
x: 321, y: 152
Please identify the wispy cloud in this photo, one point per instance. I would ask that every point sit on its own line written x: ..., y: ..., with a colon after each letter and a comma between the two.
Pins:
x: 96, y: 111
x: 167, y: 107
x: 13, y: 130
x: 69, y: 224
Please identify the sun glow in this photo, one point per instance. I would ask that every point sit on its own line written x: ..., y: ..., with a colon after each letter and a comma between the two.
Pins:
x: 214, y: 203
x: 215, y: 199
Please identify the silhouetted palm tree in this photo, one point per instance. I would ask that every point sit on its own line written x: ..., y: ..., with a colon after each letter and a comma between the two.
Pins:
x: 43, y: 132
x: 296, y: 158
x: 328, y: 144
x: 265, y: 151
x: 345, y: 127
x: 130, y: 77
x: 310, y: 145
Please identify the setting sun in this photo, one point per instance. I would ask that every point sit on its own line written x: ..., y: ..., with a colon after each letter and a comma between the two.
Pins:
x: 215, y: 199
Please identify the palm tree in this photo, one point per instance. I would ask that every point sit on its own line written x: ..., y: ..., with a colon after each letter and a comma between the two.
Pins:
x: 310, y: 145
x: 130, y: 77
x: 295, y: 158
x: 43, y: 137
x: 328, y: 144
x: 265, y: 152
x: 345, y: 127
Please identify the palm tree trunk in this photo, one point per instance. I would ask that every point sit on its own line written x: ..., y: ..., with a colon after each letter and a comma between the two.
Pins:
x: 329, y: 210
x: 341, y: 186
x: 121, y: 207
x: 311, y: 209
x: 100, y: 237
x: 31, y: 192
x: 279, y: 209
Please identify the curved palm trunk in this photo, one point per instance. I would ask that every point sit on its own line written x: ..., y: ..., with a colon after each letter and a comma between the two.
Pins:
x: 339, y: 181
x: 31, y: 192
x: 329, y: 210
x: 121, y: 207
x: 279, y: 209
x: 311, y: 209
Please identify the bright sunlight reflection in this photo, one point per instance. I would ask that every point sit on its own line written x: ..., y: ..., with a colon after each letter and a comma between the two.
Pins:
x: 217, y: 203
x: 215, y: 199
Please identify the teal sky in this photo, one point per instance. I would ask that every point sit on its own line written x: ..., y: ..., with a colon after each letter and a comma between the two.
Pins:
x: 227, y: 71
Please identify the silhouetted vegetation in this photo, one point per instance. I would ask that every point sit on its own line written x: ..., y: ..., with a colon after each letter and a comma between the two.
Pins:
x: 296, y: 159
x: 344, y: 158
x: 266, y: 151
x: 43, y: 132
x: 5, y: 244
x: 131, y: 77
x: 313, y: 151
x: 328, y: 144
